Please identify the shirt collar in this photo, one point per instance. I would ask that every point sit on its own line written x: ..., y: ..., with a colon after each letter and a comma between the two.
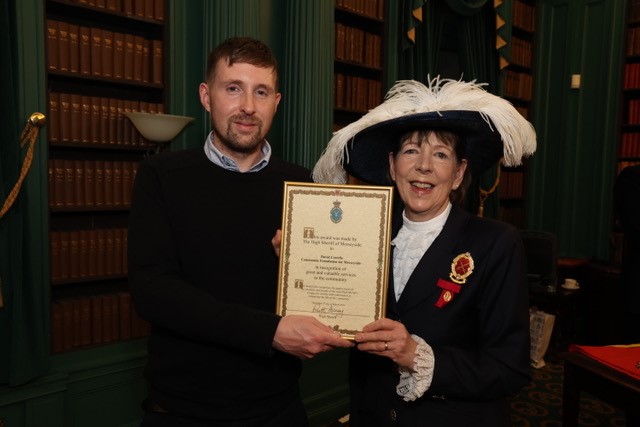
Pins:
x: 226, y: 162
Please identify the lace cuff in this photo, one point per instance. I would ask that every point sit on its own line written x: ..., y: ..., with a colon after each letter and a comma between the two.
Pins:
x: 413, y: 383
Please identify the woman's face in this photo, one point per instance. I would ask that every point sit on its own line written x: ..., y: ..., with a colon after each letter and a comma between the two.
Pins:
x: 425, y: 171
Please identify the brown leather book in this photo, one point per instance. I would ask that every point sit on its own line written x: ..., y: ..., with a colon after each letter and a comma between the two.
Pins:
x: 58, y: 176
x: 74, y: 48
x: 120, y: 119
x: 129, y: 53
x: 117, y: 183
x: 107, y: 53
x: 54, y: 256
x: 146, y: 60
x: 125, y: 242
x: 74, y: 254
x: 65, y: 117
x: 98, y: 175
x: 138, y: 57
x: 113, y: 5
x: 85, y: 119
x: 93, y: 253
x: 118, y: 250
x: 158, y: 62
x: 126, y: 183
x: 52, y: 45
x: 149, y: 6
x: 127, y: 130
x: 75, y: 118
x: 84, y: 254
x: 96, y: 319
x: 118, y: 55
x: 135, y: 135
x: 85, y: 320
x: 51, y: 183
x: 79, y: 182
x: 138, y: 7
x: 107, y: 320
x: 115, y: 317
x: 102, y: 4
x: 69, y: 183
x: 53, y: 123
x: 75, y: 306
x: 57, y: 329
x: 109, y: 239
x: 158, y: 10
x: 113, y: 121
x: 104, y: 121
x: 108, y: 183
x: 102, y: 251
x: 96, y: 52
x: 96, y: 114
x: 89, y: 183
x: 127, y: 7
x: 63, y: 46
x: 85, y: 50
x: 124, y: 299
x: 67, y: 323
x: 64, y: 254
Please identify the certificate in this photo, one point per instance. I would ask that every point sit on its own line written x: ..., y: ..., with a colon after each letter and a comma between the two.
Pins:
x: 334, y: 255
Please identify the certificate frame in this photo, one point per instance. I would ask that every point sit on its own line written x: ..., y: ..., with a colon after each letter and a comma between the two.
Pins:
x: 334, y: 253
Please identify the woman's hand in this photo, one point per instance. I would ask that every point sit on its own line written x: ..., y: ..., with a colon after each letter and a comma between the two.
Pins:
x: 276, y: 240
x: 388, y: 338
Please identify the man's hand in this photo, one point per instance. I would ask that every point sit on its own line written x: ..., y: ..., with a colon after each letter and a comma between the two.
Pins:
x: 276, y: 240
x: 305, y: 337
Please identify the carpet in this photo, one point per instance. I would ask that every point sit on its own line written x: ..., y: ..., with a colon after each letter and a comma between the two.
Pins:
x: 540, y: 403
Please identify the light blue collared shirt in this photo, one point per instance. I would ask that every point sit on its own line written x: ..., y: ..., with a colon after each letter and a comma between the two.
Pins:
x: 226, y: 162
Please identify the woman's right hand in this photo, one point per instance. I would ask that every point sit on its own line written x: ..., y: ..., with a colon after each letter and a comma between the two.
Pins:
x: 388, y: 338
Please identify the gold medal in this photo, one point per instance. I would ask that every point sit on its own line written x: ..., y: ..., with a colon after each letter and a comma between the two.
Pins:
x: 461, y: 268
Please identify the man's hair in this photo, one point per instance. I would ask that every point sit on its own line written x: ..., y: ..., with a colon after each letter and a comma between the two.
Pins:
x: 242, y: 50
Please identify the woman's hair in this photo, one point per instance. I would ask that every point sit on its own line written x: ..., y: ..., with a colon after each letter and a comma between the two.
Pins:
x: 244, y: 50
x: 453, y: 140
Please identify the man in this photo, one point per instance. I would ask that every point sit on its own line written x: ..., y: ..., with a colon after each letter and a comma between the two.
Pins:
x: 202, y: 268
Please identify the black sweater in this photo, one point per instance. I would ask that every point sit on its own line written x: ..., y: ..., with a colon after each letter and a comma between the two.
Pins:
x: 202, y: 270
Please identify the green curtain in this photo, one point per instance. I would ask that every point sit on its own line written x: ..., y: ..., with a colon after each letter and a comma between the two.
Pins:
x: 419, y: 58
x: 23, y: 320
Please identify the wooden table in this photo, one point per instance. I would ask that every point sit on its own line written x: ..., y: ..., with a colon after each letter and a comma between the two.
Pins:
x: 582, y: 373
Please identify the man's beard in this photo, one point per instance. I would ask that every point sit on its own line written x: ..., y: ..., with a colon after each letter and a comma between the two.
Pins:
x: 233, y: 141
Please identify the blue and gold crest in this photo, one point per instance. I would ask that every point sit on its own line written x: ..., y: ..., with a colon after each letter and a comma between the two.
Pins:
x: 336, y: 212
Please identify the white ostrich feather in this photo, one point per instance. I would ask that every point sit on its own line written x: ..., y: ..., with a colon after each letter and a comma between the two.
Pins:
x: 410, y: 97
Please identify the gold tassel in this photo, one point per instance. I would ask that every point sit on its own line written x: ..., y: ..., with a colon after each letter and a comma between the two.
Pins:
x: 485, y: 193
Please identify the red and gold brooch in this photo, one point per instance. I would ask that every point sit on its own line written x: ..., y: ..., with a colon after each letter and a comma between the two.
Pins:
x: 461, y: 269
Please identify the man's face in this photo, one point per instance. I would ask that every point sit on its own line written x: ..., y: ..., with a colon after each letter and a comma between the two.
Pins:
x: 242, y: 100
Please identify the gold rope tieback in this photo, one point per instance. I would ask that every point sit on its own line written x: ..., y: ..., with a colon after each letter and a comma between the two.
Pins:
x: 485, y: 193
x: 29, y: 134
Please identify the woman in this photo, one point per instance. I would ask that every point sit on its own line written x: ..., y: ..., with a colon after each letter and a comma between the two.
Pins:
x: 455, y: 342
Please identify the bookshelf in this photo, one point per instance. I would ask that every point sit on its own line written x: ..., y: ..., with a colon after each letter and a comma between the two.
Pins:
x: 629, y: 143
x: 517, y: 84
x: 103, y: 58
x: 358, y: 64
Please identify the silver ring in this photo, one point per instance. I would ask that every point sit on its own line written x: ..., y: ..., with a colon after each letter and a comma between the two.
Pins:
x: 386, y: 346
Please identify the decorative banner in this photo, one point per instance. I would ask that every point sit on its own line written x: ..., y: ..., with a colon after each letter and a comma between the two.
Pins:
x: 504, y: 21
x: 413, y: 19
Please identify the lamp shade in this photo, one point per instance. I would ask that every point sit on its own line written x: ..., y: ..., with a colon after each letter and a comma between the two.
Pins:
x: 158, y: 127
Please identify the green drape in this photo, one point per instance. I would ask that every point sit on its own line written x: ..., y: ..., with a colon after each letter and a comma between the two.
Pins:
x: 23, y: 320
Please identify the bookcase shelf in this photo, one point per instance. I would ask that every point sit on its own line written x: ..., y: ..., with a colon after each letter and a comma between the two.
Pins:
x: 629, y: 143
x: 358, y: 63
x: 517, y: 83
x: 103, y: 58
